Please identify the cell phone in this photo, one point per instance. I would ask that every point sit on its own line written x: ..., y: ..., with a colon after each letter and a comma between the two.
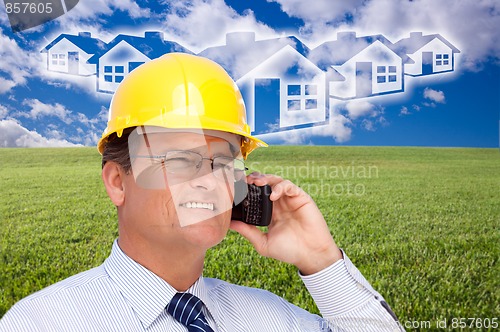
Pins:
x: 256, y: 208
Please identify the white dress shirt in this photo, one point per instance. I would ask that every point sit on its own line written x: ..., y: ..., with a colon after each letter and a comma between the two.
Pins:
x: 122, y: 295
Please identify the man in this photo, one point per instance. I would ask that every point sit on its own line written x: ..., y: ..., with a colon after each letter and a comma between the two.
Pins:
x: 172, y: 153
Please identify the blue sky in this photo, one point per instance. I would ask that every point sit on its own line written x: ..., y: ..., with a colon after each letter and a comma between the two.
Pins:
x: 460, y: 108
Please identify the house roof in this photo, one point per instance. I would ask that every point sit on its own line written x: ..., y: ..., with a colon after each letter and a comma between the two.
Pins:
x: 151, y: 45
x: 242, y: 52
x: 347, y: 45
x: 83, y: 40
x: 416, y: 41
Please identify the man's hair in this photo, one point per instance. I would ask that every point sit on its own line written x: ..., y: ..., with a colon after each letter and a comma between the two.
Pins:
x: 116, y: 150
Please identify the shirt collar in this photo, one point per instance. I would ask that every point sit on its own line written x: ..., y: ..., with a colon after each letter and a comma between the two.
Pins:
x: 147, y: 293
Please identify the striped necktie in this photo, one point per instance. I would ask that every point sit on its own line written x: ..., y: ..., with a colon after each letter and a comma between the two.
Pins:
x: 186, y: 309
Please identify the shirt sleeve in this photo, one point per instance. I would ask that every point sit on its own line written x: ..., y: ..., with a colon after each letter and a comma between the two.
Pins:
x: 347, y: 301
x: 16, y: 320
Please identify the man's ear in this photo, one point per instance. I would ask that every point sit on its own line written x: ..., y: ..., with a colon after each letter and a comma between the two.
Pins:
x: 113, y: 178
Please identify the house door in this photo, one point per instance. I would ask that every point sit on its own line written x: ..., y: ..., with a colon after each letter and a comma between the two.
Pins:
x: 267, y: 104
x: 427, y: 62
x: 73, y: 60
x: 363, y: 79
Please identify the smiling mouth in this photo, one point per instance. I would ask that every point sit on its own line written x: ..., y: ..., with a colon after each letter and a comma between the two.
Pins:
x: 198, y: 205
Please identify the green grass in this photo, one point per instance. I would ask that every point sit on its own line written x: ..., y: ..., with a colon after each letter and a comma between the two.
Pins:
x: 423, y: 226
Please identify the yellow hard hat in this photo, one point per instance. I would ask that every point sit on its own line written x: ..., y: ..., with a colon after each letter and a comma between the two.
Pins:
x: 180, y: 91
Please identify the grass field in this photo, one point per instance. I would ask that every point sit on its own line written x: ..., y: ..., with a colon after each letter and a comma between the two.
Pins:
x: 422, y: 224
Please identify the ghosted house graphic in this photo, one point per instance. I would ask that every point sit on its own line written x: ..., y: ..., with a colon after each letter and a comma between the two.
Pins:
x: 359, y: 67
x: 282, y: 89
x: 285, y: 85
x: 69, y: 53
x: 125, y: 53
x: 431, y: 54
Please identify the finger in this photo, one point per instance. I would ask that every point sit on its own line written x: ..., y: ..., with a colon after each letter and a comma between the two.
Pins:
x: 262, y: 179
x: 256, y: 237
x: 284, y: 188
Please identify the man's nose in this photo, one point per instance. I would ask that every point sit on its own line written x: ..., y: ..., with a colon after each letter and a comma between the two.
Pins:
x: 205, y: 176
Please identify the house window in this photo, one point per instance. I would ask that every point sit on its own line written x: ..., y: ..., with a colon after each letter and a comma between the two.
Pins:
x: 392, y: 74
x: 133, y: 65
x: 294, y: 105
x: 387, y: 74
x: 442, y: 59
x: 439, y: 62
x: 294, y: 90
x: 62, y: 59
x: 311, y: 104
x: 114, y: 73
x: 311, y: 89
x: 59, y: 59
x: 302, y: 97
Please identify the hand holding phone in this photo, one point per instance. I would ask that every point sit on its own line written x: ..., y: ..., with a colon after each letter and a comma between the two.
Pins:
x: 256, y: 208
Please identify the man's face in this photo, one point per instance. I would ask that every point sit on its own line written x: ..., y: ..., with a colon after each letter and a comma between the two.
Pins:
x: 172, y: 194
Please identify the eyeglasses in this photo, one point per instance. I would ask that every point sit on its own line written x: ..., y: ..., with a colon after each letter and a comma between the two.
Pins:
x: 186, y: 164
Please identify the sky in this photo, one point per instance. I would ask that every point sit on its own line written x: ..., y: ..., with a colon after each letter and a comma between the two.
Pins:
x: 461, y: 108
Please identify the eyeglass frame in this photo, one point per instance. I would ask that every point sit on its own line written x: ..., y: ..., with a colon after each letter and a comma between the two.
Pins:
x: 163, y: 158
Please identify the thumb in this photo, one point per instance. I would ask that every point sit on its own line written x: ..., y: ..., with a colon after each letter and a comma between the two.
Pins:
x: 256, y: 237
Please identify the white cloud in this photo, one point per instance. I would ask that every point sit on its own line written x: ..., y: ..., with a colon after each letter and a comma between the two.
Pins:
x: 338, y: 128
x: 361, y: 108
x: 21, y: 58
x: 54, y: 133
x: 16, y: 65
x: 478, y: 40
x: 368, y: 125
x: 73, y: 127
x: 92, y: 13
x: 434, y: 95
x: 319, y: 10
x: 3, y: 112
x: 4, y: 19
x: 12, y: 134
x: 382, y: 121
x: 321, y: 18
x: 404, y: 111
x: 204, y: 23
x: 6, y: 85
x: 196, y: 25
x: 39, y: 110
x: 77, y: 83
x: 371, y: 124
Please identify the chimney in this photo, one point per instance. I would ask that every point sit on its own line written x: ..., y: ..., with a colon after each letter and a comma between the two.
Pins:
x: 415, y: 35
x: 85, y: 34
x: 153, y: 35
x: 346, y: 35
x: 240, y: 38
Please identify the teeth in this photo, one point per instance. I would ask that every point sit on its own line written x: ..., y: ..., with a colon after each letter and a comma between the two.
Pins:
x: 198, y: 205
